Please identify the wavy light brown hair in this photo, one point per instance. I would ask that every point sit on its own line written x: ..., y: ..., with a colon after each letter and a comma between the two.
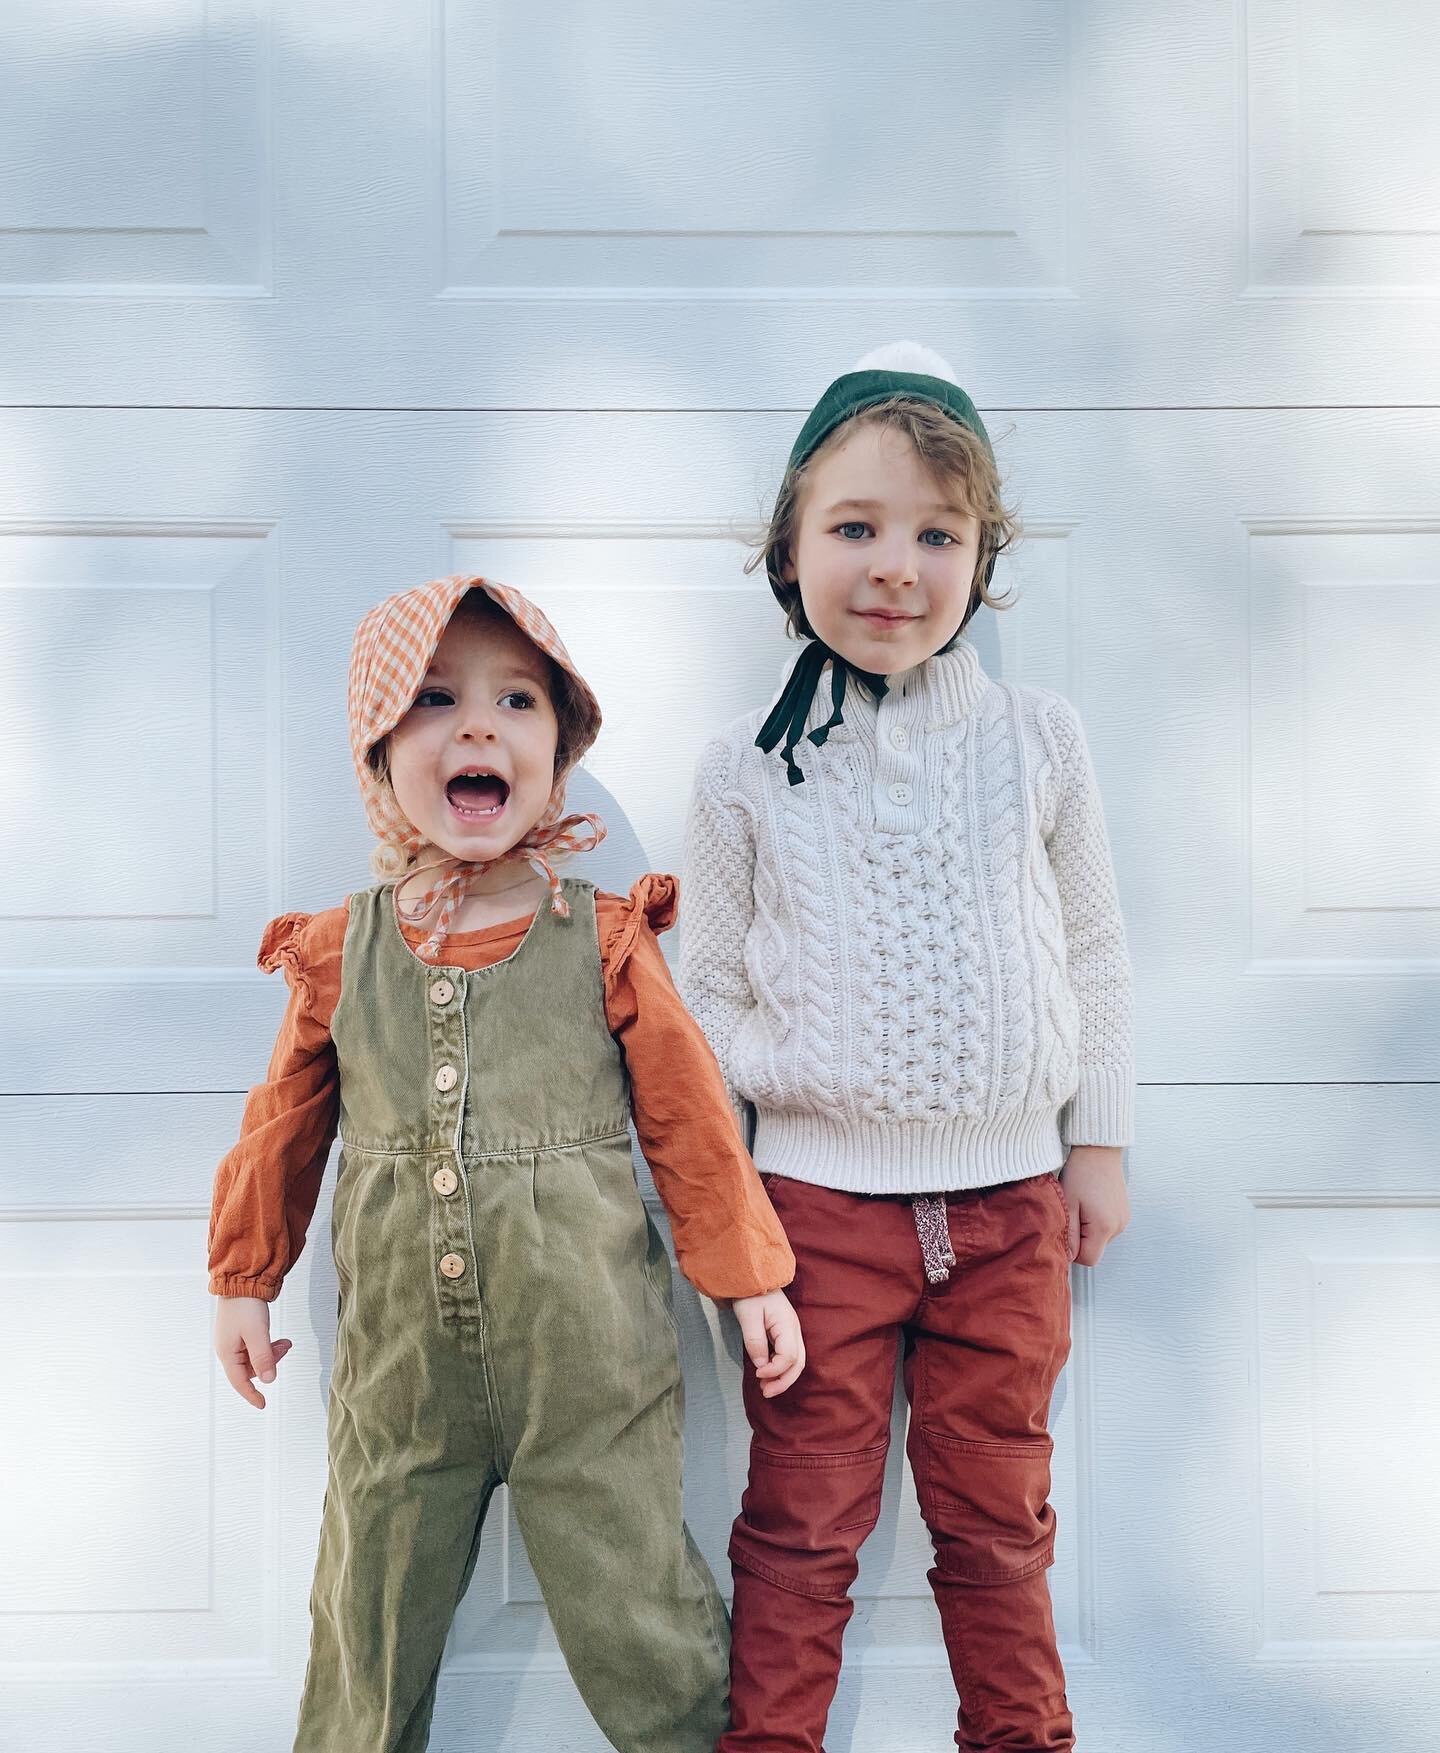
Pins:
x: 957, y: 458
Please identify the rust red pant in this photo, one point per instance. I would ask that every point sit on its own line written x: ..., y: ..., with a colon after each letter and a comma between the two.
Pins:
x: 981, y: 1356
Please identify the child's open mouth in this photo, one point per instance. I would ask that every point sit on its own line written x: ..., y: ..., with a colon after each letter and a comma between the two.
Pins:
x: 478, y: 796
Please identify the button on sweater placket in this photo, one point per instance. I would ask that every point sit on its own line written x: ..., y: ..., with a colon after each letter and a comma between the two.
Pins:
x: 899, y: 786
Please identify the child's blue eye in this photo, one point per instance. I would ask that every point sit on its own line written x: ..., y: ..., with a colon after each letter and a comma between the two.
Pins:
x: 946, y: 539
x: 433, y: 697
x: 848, y: 530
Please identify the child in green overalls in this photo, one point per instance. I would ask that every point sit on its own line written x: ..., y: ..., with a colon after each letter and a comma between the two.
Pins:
x: 504, y: 1298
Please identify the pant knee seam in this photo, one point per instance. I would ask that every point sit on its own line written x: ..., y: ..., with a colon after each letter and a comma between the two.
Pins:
x: 1002, y: 1449
x: 756, y: 1568
x: 786, y: 1460
x: 1042, y: 1562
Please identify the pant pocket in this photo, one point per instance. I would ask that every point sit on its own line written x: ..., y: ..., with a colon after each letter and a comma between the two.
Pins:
x: 1062, y: 1203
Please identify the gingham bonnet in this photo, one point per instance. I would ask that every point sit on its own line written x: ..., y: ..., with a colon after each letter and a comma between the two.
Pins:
x: 394, y: 646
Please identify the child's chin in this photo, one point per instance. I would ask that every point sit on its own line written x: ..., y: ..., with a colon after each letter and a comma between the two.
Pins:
x: 477, y: 848
x: 480, y: 845
x: 881, y: 656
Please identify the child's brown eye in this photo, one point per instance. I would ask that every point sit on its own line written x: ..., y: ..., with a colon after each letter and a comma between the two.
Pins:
x: 433, y: 697
x: 525, y: 700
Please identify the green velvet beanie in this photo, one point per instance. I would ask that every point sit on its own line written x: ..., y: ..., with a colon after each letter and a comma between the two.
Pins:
x: 857, y: 390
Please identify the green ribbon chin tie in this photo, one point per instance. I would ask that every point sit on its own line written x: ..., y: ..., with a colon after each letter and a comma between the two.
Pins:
x: 789, y: 714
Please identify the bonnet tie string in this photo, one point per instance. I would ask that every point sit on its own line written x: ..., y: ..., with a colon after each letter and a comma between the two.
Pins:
x: 457, y: 876
x: 791, y: 712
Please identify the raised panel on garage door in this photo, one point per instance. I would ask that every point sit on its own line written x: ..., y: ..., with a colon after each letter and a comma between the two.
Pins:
x: 460, y: 205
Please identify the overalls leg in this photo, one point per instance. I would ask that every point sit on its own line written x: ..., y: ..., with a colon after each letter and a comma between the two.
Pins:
x: 635, y: 1610
x: 411, y: 1472
x: 592, y: 1412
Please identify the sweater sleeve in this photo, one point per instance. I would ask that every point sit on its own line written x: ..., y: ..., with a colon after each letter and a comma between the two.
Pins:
x: 728, y: 1239
x: 719, y: 908
x: 1102, y: 1109
x: 267, y: 1184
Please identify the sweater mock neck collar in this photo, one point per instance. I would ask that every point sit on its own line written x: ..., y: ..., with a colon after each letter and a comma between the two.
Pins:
x: 954, y: 682
x: 942, y: 690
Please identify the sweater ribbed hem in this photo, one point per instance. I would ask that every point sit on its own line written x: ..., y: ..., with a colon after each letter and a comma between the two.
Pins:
x: 891, y: 1156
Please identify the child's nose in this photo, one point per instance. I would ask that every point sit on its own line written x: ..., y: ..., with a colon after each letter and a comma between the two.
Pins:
x: 476, y: 726
x: 895, y: 565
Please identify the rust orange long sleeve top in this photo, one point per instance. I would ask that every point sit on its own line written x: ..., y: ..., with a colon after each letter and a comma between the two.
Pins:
x: 727, y: 1238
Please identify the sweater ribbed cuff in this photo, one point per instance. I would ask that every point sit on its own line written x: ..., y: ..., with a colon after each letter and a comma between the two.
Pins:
x: 1102, y: 1110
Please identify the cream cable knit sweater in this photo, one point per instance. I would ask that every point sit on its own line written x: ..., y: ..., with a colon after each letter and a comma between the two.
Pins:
x: 913, y: 964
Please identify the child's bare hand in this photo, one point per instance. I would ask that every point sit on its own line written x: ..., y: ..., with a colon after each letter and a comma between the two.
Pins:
x: 244, y: 1346
x: 770, y: 1329
x: 1093, y: 1181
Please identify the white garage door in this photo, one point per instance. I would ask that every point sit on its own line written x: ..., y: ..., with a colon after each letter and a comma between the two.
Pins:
x: 300, y: 305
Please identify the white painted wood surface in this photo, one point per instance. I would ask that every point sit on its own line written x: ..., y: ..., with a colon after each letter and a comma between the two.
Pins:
x: 456, y: 204
x: 301, y: 305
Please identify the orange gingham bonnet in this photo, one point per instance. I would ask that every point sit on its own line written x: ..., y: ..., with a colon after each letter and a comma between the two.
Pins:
x: 393, y: 648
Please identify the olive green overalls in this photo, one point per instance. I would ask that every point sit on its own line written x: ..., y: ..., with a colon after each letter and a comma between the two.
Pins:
x: 504, y: 1316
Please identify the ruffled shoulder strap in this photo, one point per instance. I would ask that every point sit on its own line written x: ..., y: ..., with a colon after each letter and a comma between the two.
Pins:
x: 309, y: 947
x: 651, y: 904
x: 280, y: 943
x: 283, y: 946
x: 658, y: 896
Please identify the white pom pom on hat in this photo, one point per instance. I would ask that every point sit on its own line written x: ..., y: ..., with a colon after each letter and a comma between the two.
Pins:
x: 907, y: 356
